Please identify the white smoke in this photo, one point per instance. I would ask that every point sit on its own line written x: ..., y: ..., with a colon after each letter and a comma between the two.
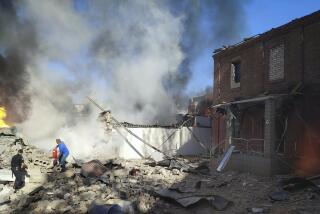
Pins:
x: 118, y: 52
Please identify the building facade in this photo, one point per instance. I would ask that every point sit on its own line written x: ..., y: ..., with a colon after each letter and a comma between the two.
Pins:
x: 266, y: 99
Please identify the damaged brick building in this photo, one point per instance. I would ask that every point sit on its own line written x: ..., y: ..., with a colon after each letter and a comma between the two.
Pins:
x: 267, y: 99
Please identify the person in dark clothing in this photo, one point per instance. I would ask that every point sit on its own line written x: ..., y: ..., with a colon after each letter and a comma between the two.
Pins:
x: 18, y: 168
x: 63, y: 154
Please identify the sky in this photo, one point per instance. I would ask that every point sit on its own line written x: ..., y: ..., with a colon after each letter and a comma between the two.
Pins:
x: 261, y: 16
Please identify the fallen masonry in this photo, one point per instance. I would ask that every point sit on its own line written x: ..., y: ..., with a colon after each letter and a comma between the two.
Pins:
x: 176, y: 185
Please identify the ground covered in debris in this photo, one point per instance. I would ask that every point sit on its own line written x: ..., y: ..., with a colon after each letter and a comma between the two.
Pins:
x: 188, y: 185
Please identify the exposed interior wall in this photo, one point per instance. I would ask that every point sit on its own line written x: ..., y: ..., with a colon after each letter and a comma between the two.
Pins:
x: 295, y: 146
x: 249, y: 135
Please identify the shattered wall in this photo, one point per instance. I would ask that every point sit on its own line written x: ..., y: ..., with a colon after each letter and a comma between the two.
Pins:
x: 181, y: 143
x: 301, y: 49
x: 219, y: 132
x: 251, y: 127
x: 296, y: 141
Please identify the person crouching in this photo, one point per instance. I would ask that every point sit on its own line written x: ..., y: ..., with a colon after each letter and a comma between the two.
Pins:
x: 63, y: 154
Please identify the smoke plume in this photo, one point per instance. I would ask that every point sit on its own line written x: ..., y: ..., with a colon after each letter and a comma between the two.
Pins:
x: 133, y: 57
x: 207, y: 24
x: 17, y: 44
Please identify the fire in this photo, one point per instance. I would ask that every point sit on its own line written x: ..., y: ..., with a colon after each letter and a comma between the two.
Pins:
x: 3, y: 115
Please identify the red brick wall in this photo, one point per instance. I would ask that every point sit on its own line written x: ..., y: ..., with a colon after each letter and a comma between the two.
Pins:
x: 219, y: 132
x: 251, y: 80
x: 301, y: 63
x: 312, y: 53
x: 293, y: 53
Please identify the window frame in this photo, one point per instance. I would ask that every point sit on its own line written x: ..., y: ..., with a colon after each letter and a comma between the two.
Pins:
x: 233, y: 83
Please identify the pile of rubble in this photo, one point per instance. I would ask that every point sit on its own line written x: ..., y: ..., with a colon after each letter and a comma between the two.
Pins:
x: 110, y: 121
x: 174, y: 185
x: 139, y: 186
x: 10, y: 144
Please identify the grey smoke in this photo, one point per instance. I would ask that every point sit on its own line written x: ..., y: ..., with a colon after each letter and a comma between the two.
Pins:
x: 17, y: 44
x: 133, y: 57
x: 229, y: 21
x: 207, y: 24
x: 115, y: 51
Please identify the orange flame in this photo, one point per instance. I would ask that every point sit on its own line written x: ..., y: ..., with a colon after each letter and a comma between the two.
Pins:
x: 3, y: 115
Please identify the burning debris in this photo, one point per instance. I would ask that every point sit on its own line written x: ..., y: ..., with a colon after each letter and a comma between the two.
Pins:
x: 3, y: 115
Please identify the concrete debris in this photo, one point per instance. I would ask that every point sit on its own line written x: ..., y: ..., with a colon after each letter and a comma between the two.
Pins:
x: 257, y: 210
x: 176, y: 185
x: 187, y: 121
x: 126, y: 206
x: 180, y: 165
x: 113, y: 207
x: 279, y: 196
x: 183, y: 190
x: 34, y: 157
x: 134, y: 172
x: 93, y: 169
x: 7, y: 132
x: 171, y: 164
x: 36, y: 190
x: 296, y: 184
x: 6, y: 175
x: 202, y: 168
x: 218, y: 202
x: 5, y: 194
x: 25, y: 200
x: 5, y: 208
x: 198, y: 185
x: 107, y: 209
x: 135, y: 187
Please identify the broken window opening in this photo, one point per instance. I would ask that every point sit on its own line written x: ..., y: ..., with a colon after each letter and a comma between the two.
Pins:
x: 235, y: 128
x: 235, y: 74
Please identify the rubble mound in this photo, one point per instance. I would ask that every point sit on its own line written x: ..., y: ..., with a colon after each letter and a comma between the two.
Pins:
x: 9, y: 146
x: 175, y: 185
